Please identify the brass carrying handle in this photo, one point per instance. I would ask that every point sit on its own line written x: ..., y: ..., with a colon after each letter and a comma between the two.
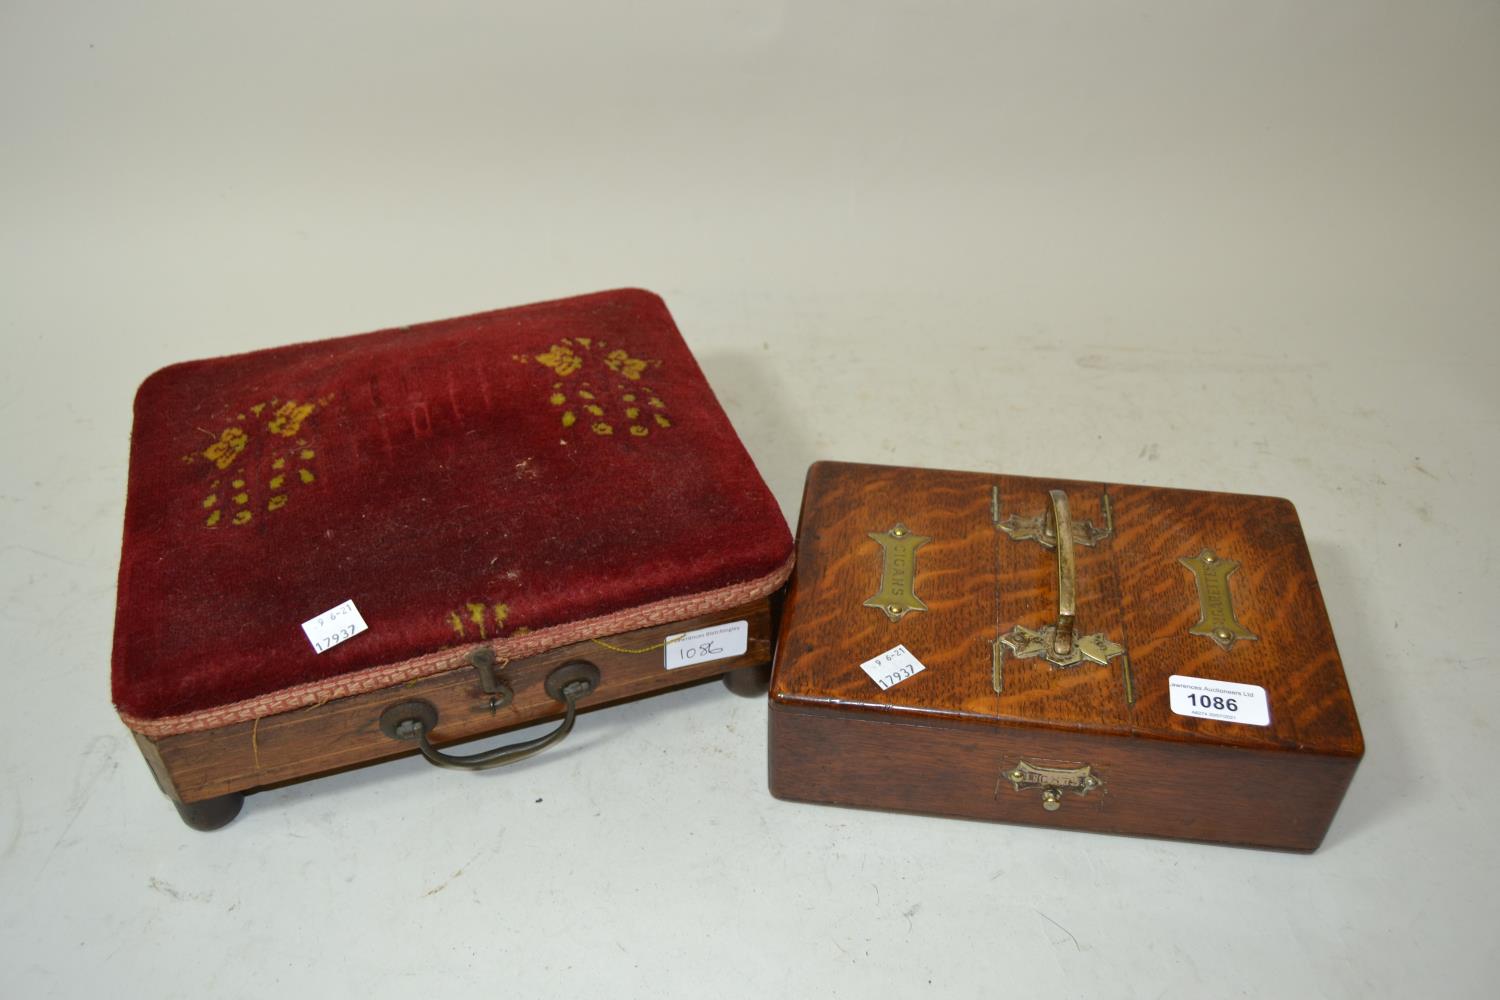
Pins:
x: 413, y: 720
x: 1058, y: 643
x: 1059, y: 532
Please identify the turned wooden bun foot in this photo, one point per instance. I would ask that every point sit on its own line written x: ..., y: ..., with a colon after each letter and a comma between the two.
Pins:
x: 749, y: 682
x: 211, y: 814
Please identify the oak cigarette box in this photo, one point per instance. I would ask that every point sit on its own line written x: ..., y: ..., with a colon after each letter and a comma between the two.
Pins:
x: 1084, y: 655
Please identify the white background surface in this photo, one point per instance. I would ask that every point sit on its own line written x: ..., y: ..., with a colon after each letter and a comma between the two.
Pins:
x: 1242, y: 247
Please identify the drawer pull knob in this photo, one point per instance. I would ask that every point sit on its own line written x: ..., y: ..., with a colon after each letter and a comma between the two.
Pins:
x: 1053, y: 781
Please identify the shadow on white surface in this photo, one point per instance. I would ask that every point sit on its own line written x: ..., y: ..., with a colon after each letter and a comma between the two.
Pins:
x: 1388, y: 776
x: 601, y: 736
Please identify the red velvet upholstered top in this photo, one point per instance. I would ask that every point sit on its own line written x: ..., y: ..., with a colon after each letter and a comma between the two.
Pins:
x: 522, y: 478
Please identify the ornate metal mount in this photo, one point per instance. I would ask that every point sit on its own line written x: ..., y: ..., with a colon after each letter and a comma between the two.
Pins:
x: 898, y: 572
x: 1215, y: 607
x: 491, y: 681
x: 1026, y: 644
x: 1042, y: 528
x: 1057, y: 643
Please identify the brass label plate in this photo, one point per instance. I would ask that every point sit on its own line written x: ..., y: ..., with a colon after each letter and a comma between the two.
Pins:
x: 1074, y: 779
x: 1216, y: 618
x: 898, y: 572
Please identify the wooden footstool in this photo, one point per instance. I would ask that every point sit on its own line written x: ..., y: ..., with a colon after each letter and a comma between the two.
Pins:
x: 345, y: 551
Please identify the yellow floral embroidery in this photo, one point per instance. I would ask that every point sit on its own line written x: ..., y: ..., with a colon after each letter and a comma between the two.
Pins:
x: 224, y: 451
x: 561, y: 359
x: 289, y: 417
x: 593, y: 400
x: 476, y: 617
x: 233, y: 447
x: 623, y: 363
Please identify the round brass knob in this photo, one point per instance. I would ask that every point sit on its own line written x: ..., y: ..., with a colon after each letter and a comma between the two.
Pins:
x: 1051, y: 799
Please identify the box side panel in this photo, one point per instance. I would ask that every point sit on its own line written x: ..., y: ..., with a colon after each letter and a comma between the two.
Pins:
x: 346, y: 732
x: 1262, y: 798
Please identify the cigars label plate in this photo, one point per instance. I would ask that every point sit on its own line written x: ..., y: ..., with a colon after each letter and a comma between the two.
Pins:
x: 892, y: 667
x: 705, y: 645
x: 1222, y: 701
x: 334, y: 626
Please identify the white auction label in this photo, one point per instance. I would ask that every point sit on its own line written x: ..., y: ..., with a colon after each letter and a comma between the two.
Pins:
x: 717, y: 642
x: 1223, y: 701
x: 334, y: 626
x: 892, y: 667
